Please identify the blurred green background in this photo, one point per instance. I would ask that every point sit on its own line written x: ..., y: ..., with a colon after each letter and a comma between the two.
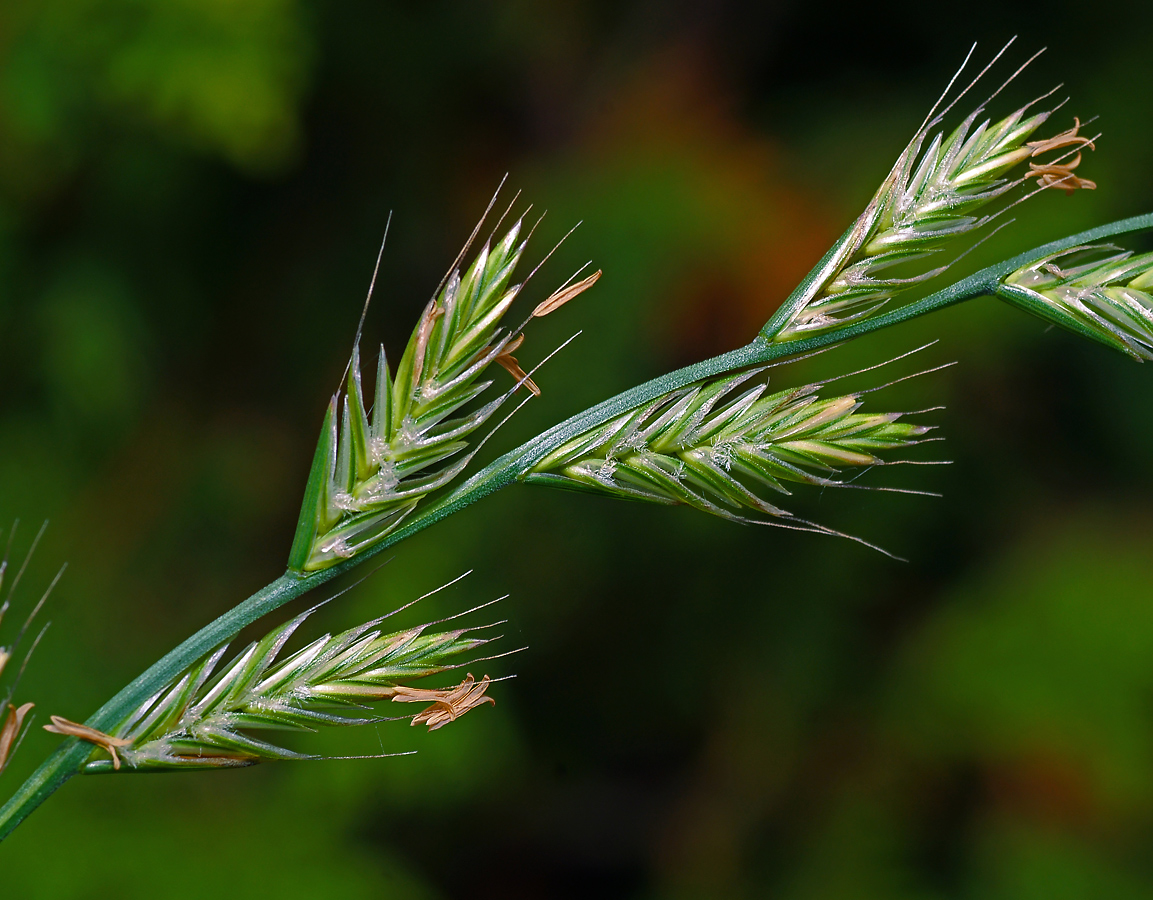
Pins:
x: 192, y: 193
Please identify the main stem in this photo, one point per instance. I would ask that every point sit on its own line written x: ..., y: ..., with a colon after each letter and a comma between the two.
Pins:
x: 70, y: 756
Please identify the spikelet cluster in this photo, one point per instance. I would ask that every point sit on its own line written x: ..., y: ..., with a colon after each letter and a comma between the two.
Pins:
x: 205, y: 717
x: 721, y: 449
x: 371, y: 469
x: 1098, y: 290
x: 930, y: 199
x: 369, y: 475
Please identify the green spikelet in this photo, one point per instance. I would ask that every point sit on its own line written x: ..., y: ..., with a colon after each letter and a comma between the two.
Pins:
x: 205, y: 718
x: 717, y: 448
x: 371, y: 470
x: 928, y: 200
x: 1096, y: 290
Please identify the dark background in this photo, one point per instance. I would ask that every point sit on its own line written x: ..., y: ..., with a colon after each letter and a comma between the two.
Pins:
x: 191, y: 197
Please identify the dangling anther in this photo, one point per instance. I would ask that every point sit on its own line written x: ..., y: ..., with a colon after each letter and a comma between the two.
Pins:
x: 1068, y: 138
x: 508, y: 362
x: 61, y: 725
x: 447, y: 705
x: 1061, y: 176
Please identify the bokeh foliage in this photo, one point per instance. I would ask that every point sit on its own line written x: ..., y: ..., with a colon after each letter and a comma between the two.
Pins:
x: 191, y: 195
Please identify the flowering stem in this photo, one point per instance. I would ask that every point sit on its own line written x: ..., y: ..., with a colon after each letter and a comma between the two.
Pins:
x: 69, y: 758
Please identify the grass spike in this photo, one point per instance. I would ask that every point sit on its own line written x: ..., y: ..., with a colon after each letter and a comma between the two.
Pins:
x: 367, y: 478
x: 933, y: 195
x: 574, y: 439
x: 1099, y: 291
x: 203, y: 720
x: 714, y: 445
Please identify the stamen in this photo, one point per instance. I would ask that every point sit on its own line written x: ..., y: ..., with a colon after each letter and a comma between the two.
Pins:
x: 60, y: 725
x: 447, y: 705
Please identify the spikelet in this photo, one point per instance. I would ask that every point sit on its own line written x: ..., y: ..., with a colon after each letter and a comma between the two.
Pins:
x: 1097, y: 290
x: 368, y: 475
x: 931, y: 197
x: 718, y: 448
x: 204, y: 718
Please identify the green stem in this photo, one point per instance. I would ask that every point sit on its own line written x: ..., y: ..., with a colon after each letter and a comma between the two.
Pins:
x: 67, y: 760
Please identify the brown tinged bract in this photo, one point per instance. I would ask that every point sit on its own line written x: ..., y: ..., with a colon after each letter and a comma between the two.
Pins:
x: 11, y: 731
x: 564, y: 295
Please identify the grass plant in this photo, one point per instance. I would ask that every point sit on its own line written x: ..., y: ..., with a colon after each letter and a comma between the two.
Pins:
x: 712, y: 436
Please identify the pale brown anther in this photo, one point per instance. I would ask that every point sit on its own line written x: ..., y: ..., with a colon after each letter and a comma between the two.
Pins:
x: 11, y: 731
x: 508, y: 362
x: 60, y: 725
x: 564, y: 295
x: 447, y: 705
x: 1060, y: 176
x: 1068, y: 138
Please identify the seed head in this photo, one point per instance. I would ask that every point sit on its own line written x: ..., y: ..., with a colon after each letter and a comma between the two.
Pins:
x: 1097, y: 290
x: 375, y: 462
x: 721, y: 447
x: 934, y: 195
x: 208, y: 717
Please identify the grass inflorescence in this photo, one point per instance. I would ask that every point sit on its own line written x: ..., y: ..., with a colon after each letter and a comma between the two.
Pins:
x: 371, y: 470
x: 721, y: 446
x: 1098, y: 290
x: 711, y: 435
x: 931, y: 197
x: 206, y: 716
